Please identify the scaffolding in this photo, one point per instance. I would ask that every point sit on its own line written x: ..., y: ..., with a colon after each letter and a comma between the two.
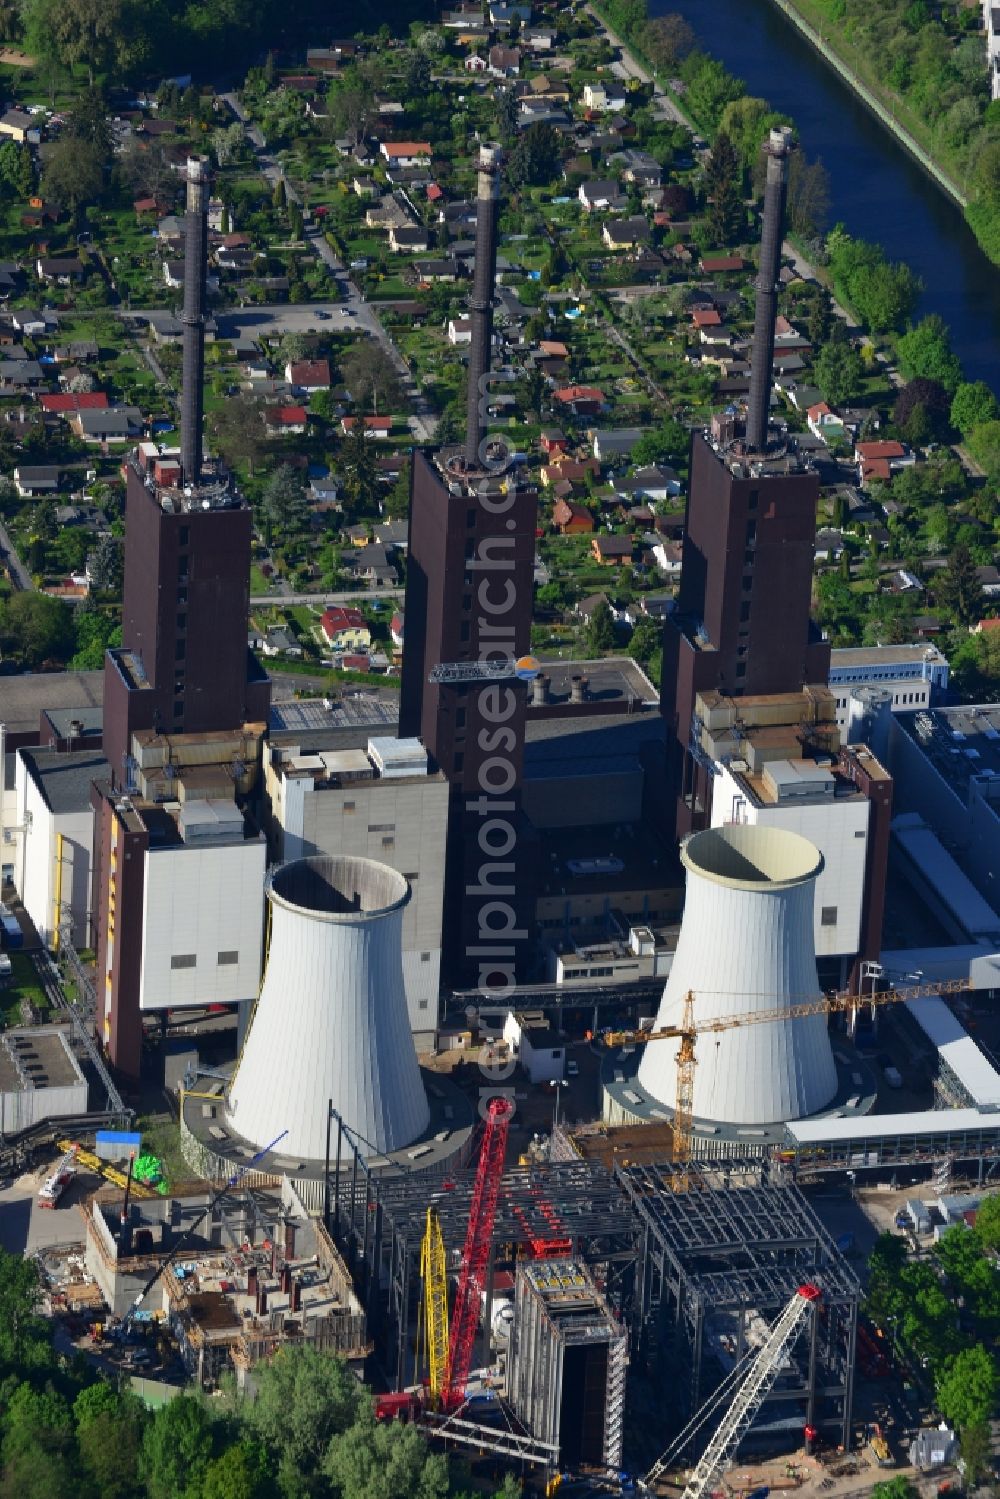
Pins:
x: 718, y: 1264
x: 378, y: 1219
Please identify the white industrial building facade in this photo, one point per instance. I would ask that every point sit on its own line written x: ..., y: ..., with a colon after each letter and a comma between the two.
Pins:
x: 382, y: 803
x: 55, y: 824
x: 915, y: 676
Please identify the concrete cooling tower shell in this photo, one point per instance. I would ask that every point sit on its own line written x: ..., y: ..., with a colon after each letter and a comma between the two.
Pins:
x: 746, y: 943
x: 331, y: 1021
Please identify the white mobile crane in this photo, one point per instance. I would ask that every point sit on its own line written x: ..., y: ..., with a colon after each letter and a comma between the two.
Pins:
x: 751, y: 1379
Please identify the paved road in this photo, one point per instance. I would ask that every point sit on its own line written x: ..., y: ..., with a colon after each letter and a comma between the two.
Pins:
x: 360, y: 314
x: 19, y: 575
x: 324, y: 600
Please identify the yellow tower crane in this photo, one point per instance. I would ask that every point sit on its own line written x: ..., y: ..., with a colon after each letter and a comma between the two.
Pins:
x: 434, y: 1276
x: 689, y: 1030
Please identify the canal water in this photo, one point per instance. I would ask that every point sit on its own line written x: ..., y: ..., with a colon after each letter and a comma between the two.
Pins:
x: 876, y: 189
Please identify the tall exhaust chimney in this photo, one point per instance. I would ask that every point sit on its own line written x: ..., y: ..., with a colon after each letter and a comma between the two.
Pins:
x: 193, y: 318
x: 777, y: 148
x: 481, y: 307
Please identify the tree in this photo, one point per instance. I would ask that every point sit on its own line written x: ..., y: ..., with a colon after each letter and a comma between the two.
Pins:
x: 304, y: 1399
x: 966, y: 1387
x: 96, y: 632
x: 24, y: 1337
x: 987, y: 1228
x: 977, y: 1451
x: 709, y: 88
x: 839, y: 371
x: 922, y: 411
x: 107, y: 565
x: 646, y: 639
x: 972, y: 404
x: 73, y: 173
x: 351, y: 102
x: 600, y: 631
x: 727, y: 218
x: 284, y: 501
x: 882, y: 294
x: 239, y: 1473
x: 808, y: 196
x: 746, y: 122
x: 958, y: 588
x: 983, y: 442
x: 371, y: 377
x: 37, y: 628
x: 894, y: 1488
x: 536, y: 158
x: 925, y: 350
x: 360, y: 473
x: 238, y: 427
x: 388, y: 1460
x: 669, y: 440
x: 109, y: 1427
x: 176, y: 1448
x: 668, y: 40
x: 17, y: 170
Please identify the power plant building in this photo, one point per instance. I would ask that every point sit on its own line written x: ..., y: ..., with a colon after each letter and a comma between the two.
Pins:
x: 567, y: 1363
x: 383, y: 802
x: 53, y: 870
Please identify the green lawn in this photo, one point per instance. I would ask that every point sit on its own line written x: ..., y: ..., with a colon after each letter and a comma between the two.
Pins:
x: 25, y: 985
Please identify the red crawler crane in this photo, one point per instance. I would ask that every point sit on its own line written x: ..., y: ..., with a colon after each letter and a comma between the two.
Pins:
x: 475, y: 1255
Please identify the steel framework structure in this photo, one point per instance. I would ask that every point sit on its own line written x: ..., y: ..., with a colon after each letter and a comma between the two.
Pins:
x: 733, y: 1248
x: 377, y: 1218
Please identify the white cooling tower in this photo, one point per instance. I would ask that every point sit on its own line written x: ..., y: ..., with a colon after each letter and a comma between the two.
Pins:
x: 746, y: 943
x: 331, y: 1021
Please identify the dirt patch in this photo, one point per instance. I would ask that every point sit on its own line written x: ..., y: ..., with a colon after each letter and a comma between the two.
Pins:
x: 15, y: 58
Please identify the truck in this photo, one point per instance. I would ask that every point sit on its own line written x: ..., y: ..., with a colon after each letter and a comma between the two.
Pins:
x: 55, y: 1185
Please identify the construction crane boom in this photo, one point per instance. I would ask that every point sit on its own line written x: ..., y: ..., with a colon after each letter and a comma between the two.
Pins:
x: 690, y: 1029
x: 476, y: 1254
x: 434, y: 1275
x: 751, y: 1395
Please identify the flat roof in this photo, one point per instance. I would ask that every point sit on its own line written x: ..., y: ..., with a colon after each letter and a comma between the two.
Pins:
x: 65, y: 779
x: 25, y: 698
x: 961, y: 743
x: 610, y: 679
x: 349, y: 711
x: 957, y: 1048
x: 63, y: 719
x: 35, y: 1058
x: 889, y: 1126
x: 971, y: 911
x: 843, y: 658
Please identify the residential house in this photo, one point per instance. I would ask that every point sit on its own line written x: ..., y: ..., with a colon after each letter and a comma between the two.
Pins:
x: 15, y: 125
x: 582, y: 400
x: 589, y: 605
x: 406, y: 153
x: 281, y: 642
x: 567, y: 471
x: 65, y: 271
x: 989, y: 581
x: 626, y: 234
x: 20, y: 374
x: 604, y: 96
x: 436, y: 270
x: 538, y: 38
x: 459, y: 330
x: 506, y: 12
x: 716, y: 265
x: 640, y: 168
x: 36, y: 479
x: 668, y: 556
x: 392, y: 534
x: 824, y: 422
x: 65, y: 403
x: 409, y: 239
x: 829, y: 545
x: 553, y: 441
x: 504, y: 62
x: 308, y: 374
x: 32, y: 324
x: 396, y: 630
x: 375, y: 426
x: 285, y: 421
x: 474, y: 63
x: 656, y: 482
x: 601, y: 194
x: 116, y: 424
x: 345, y: 629
x: 704, y: 318
x: 572, y: 519
x: 614, y: 443
x: 878, y: 460
x: 612, y: 551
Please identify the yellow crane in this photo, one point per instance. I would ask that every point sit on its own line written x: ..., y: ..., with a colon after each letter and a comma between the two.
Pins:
x: 434, y: 1276
x: 690, y: 1029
